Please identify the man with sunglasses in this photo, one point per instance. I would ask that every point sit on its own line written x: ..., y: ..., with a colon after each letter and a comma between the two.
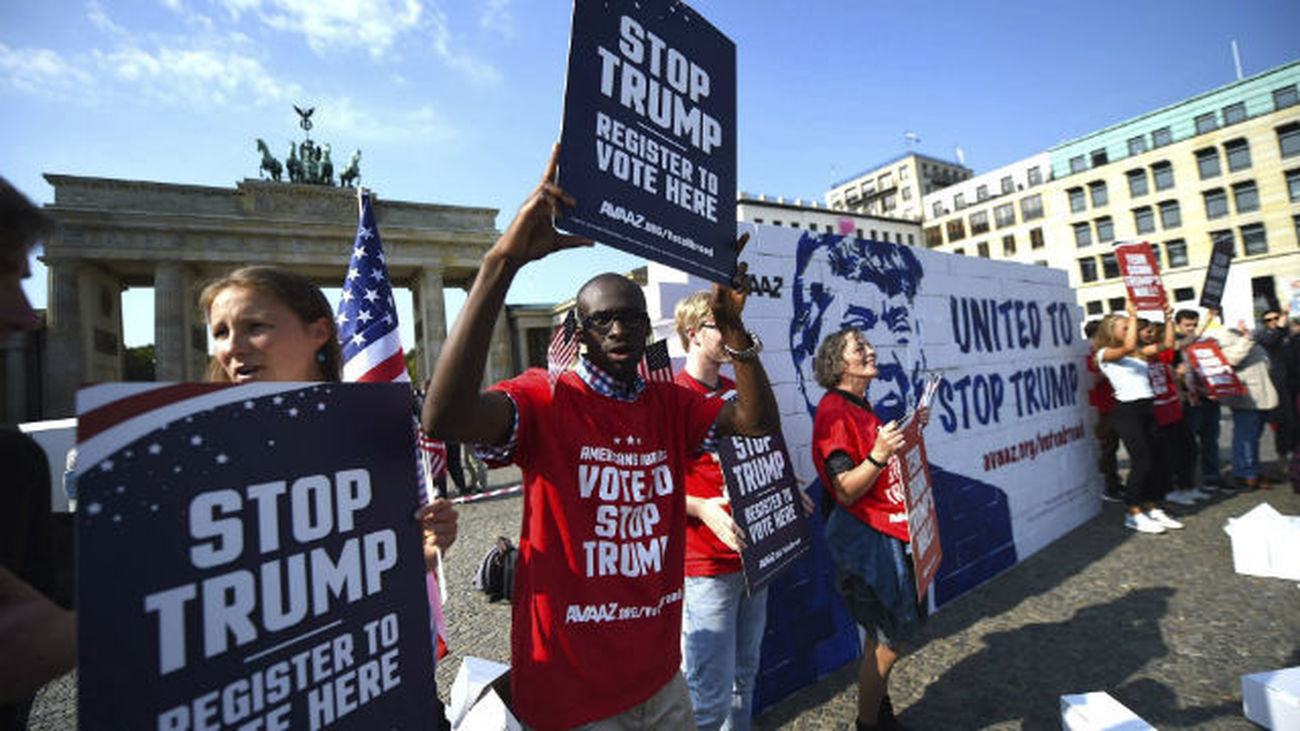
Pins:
x: 595, y: 636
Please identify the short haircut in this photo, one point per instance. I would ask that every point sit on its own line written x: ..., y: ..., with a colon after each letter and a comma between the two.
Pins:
x: 1181, y: 315
x: 293, y: 291
x: 691, y: 312
x: 1090, y: 328
x: 828, y: 364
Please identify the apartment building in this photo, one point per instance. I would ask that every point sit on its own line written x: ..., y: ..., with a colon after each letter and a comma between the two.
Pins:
x: 895, y: 188
x: 1001, y: 214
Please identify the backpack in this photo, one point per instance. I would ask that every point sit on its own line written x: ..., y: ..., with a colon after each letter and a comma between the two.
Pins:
x: 496, y: 572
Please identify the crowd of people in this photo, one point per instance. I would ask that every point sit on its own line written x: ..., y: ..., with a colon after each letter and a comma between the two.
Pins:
x: 1149, y: 397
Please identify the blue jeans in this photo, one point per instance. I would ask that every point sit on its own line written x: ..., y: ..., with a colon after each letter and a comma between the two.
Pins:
x: 722, y: 632
x: 1204, y: 421
x: 1247, y: 425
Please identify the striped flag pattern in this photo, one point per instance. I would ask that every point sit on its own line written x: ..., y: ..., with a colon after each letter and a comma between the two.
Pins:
x: 563, y: 349
x: 655, y: 365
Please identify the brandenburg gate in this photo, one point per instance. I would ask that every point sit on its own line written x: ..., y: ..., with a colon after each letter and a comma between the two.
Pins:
x: 117, y: 234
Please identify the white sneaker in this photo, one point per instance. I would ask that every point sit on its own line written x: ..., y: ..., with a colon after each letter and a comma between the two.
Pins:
x: 1142, y: 523
x: 1163, y: 519
x: 1199, y: 494
x: 1182, y: 497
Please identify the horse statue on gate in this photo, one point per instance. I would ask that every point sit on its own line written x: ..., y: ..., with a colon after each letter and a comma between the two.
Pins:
x: 352, y: 172
x: 270, y: 165
x: 327, y: 166
x: 293, y: 164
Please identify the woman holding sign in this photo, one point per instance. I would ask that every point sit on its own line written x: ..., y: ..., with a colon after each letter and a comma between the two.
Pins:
x: 867, y: 532
x: 1124, y: 363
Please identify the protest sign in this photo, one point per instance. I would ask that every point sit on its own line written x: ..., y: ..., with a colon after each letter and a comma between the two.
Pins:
x: 648, y: 148
x: 1213, y: 369
x: 922, y: 524
x: 765, y: 504
x: 1216, y: 274
x: 1141, y: 272
x: 247, y: 558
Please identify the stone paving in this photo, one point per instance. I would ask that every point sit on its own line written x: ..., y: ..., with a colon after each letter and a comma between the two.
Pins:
x: 1161, y: 622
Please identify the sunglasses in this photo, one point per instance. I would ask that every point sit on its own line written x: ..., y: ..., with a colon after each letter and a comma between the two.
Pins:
x: 603, y: 322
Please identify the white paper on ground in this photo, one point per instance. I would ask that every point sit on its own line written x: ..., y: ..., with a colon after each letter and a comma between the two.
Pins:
x: 1265, y: 543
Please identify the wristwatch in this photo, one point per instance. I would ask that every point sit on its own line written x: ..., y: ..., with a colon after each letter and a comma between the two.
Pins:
x: 750, y: 353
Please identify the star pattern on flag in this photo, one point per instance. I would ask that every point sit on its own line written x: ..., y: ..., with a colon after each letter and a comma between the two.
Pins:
x: 366, y: 315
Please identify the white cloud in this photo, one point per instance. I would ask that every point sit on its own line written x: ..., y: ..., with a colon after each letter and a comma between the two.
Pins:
x: 43, y: 72
x: 349, y: 120
x: 99, y: 18
x: 374, y: 25
x: 495, y: 16
x: 202, y: 77
x: 471, y: 67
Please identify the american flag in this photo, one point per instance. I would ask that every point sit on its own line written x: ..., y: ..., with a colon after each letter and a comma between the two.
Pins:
x: 655, y: 365
x: 367, y: 316
x: 563, y: 348
x: 372, y: 352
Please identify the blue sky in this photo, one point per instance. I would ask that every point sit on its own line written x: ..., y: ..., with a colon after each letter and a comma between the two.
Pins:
x: 458, y: 102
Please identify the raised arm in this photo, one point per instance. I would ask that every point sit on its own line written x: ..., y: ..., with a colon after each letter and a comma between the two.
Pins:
x: 754, y: 411
x: 1130, y: 338
x: 455, y: 409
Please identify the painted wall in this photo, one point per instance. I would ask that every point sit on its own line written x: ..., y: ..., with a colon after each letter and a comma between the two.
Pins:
x: 1010, y: 443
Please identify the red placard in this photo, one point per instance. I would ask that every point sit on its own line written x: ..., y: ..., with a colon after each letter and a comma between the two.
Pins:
x: 1213, y: 369
x: 1141, y: 272
x: 922, y: 524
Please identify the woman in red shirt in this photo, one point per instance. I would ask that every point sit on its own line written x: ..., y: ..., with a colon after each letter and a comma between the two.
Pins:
x: 867, y: 532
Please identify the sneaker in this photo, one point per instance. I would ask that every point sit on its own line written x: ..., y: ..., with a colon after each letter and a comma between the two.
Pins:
x: 1112, y: 496
x: 1161, y: 517
x: 1181, y: 497
x: 1198, y: 494
x: 1142, y: 523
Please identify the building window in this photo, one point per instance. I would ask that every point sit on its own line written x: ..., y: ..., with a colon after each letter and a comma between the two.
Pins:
x: 1207, y: 162
x: 1144, y: 220
x: 1234, y: 113
x: 1285, y: 97
x: 1007, y: 185
x: 982, y: 193
x: 1094, y: 307
x: 1183, y: 294
x: 907, y: 193
x: 1031, y: 207
x: 1288, y: 139
x: 1222, y: 235
x: 874, y: 235
x: 956, y: 229
x: 1105, y: 230
x: 1035, y: 176
x: 1205, y: 123
x: 1246, y: 196
x: 890, y: 202
x: 1077, y: 165
x: 959, y: 252
x: 1296, y: 220
x: 859, y: 233
x: 1216, y: 203
x: 885, y: 181
x: 979, y: 223
x: 1293, y: 185
x: 775, y: 222
x: 794, y: 224
x: 1171, y: 215
x: 884, y: 236
x: 1004, y: 215
x: 1109, y: 266
x: 1238, y: 154
x: 959, y: 201
x: 1137, y: 183
x: 1009, y: 245
x: 1116, y: 304
x: 983, y: 249
x: 1088, y: 269
x: 1036, y: 238
x: 911, y: 240
x: 1253, y: 239
x: 1161, y: 137
x: 1097, y: 190
x: 1176, y: 253
x: 1163, y: 173
x: 1077, y: 201
x: 1098, y: 157
x: 1137, y: 145
x: 1082, y: 234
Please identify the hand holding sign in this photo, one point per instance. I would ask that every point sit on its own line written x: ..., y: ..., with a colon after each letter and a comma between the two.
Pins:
x: 532, y: 233
x: 728, y: 302
x: 889, y: 440
x: 712, y: 511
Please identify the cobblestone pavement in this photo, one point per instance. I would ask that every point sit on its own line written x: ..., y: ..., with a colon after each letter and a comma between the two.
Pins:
x: 1161, y: 622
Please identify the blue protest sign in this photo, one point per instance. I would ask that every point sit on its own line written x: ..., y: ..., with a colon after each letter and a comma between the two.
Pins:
x: 649, y: 141
x: 247, y: 558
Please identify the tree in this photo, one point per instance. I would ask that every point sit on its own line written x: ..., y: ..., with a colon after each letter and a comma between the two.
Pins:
x: 138, y: 364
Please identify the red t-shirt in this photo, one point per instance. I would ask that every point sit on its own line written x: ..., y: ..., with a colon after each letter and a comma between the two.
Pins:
x: 847, y: 424
x: 596, y: 627
x: 1168, y: 407
x: 706, y: 555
